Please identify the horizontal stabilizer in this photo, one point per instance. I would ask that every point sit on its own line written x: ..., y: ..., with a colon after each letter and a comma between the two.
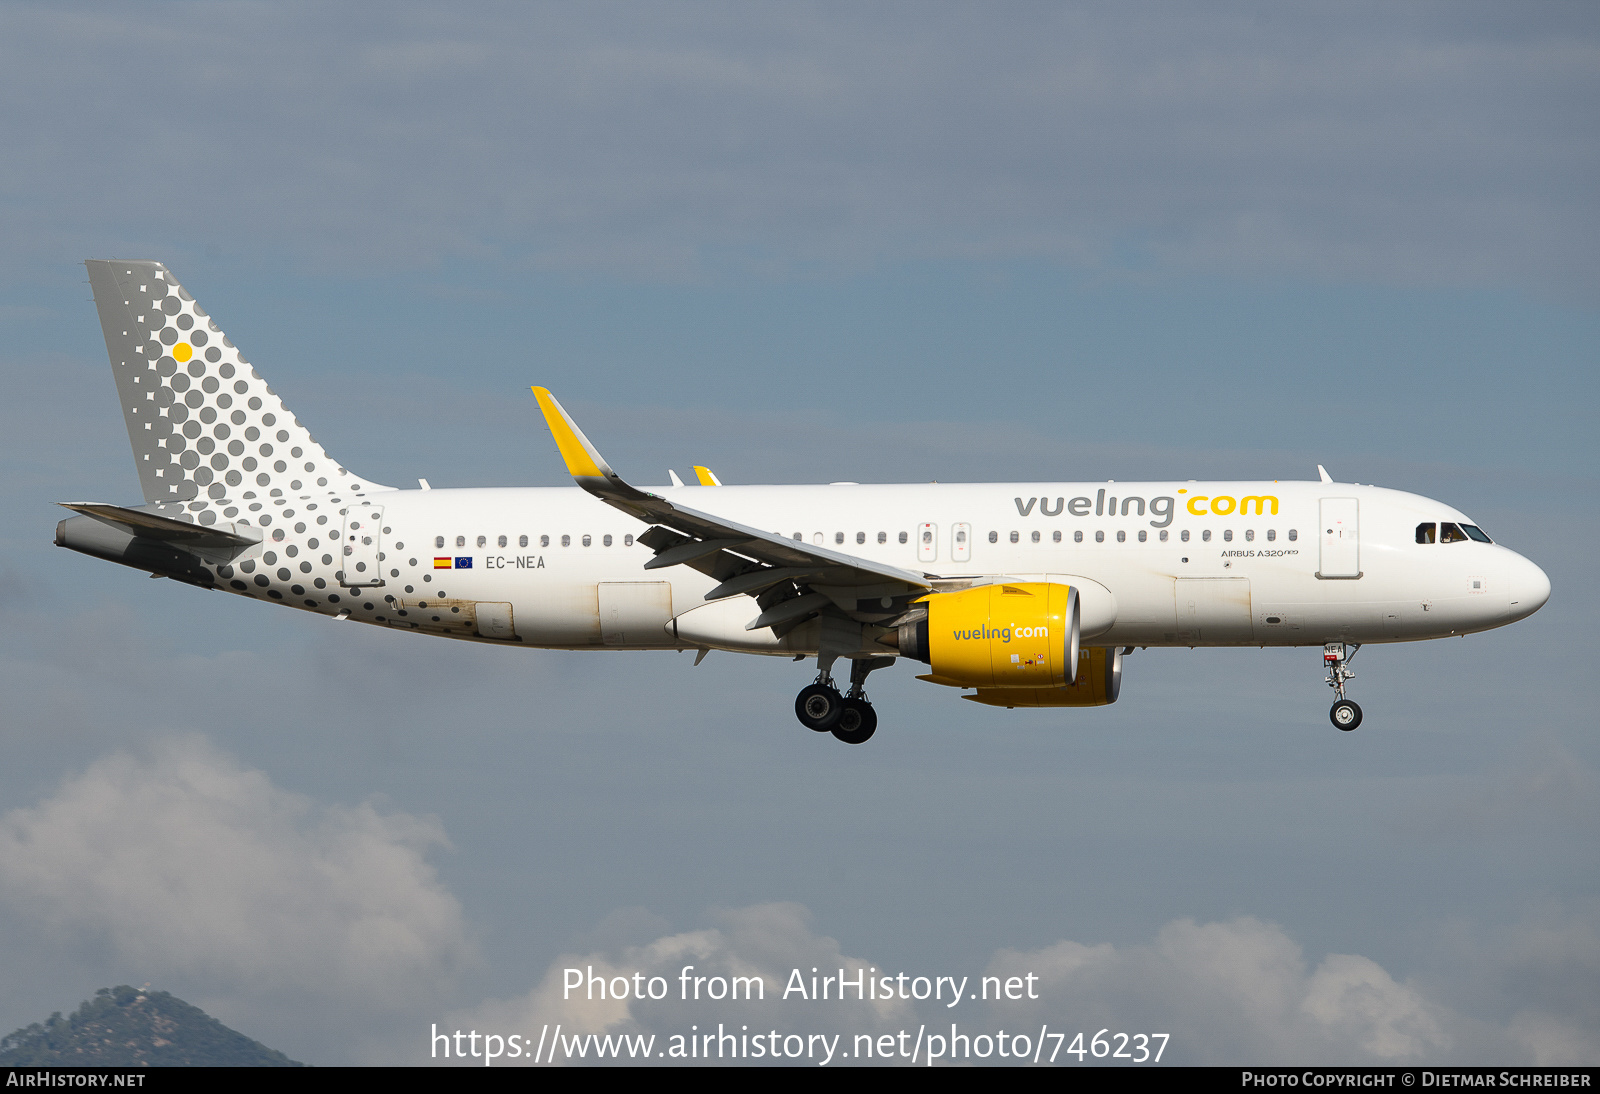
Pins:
x: 228, y: 539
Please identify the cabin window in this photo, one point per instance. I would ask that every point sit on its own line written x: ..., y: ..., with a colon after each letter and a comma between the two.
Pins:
x: 461, y: 541
x: 522, y: 541
x: 1143, y: 535
x: 883, y: 537
x: 1163, y: 535
x: 902, y: 537
x: 1099, y: 537
x: 1227, y: 535
x: 587, y: 541
x: 1077, y: 537
x: 566, y: 541
x: 544, y: 541
x: 1036, y: 537
x: 1015, y: 537
x: 438, y: 543
x: 1184, y: 535
x: 994, y: 537
x: 482, y: 540
x: 1272, y: 534
x: 838, y: 537
x: 861, y: 537
x: 1451, y: 533
x: 1293, y: 535
x: 1205, y: 537
x: 1055, y: 537
x: 1427, y: 532
x: 1122, y: 537
x: 798, y: 537
x: 1249, y: 535
x: 502, y: 541
x: 627, y: 540
x: 606, y: 541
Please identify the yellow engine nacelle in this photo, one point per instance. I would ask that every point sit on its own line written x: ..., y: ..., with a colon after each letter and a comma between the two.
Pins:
x: 998, y: 636
x: 1099, y: 681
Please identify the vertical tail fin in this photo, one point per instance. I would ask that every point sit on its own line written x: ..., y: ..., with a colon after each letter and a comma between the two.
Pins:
x: 202, y: 422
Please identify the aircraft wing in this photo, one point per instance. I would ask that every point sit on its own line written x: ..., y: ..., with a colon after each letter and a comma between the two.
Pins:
x: 744, y: 560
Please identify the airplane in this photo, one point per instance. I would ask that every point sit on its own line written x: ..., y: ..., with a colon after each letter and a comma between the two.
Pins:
x: 1019, y: 595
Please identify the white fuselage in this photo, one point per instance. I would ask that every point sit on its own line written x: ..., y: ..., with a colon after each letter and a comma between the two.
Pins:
x: 1157, y: 563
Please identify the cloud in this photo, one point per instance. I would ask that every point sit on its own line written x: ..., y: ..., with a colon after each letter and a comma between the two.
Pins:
x: 1233, y: 992
x: 193, y: 868
x: 1420, y: 146
x: 1240, y: 991
x: 764, y: 941
x: 1540, y: 976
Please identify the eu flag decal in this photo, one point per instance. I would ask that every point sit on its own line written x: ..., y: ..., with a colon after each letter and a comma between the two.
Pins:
x: 464, y: 562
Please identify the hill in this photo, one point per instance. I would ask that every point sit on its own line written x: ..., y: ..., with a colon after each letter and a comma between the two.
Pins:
x: 125, y: 1026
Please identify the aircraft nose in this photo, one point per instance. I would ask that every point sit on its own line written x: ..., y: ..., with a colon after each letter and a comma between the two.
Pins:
x: 1528, y: 586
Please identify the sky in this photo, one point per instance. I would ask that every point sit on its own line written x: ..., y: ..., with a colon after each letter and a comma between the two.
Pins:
x: 806, y: 243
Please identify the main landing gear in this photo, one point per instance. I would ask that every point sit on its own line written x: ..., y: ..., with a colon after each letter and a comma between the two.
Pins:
x: 1345, y: 714
x: 849, y: 717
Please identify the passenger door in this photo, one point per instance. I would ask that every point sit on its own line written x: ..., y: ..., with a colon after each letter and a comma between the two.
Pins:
x: 360, y: 566
x: 1341, y: 538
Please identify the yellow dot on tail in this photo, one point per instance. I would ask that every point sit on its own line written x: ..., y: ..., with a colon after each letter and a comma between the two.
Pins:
x: 182, y: 352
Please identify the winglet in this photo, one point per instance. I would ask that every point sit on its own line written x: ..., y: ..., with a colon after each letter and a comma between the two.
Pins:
x: 705, y: 476
x: 584, y: 462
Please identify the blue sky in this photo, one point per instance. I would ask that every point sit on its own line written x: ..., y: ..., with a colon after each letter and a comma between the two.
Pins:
x: 808, y: 243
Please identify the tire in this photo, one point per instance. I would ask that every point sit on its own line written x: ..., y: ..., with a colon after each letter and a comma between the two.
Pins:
x: 818, y: 707
x: 1345, y: 715
x: 857, y: 722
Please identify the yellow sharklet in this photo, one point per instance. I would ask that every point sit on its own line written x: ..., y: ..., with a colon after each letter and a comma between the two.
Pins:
x: 583, y: 462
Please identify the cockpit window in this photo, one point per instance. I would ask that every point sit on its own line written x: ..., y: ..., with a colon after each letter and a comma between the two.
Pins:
x: 1476, y: 533
x: 1451, y: 533
x: 1426, y: 531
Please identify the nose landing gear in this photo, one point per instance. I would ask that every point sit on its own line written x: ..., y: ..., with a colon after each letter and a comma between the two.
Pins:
x: 1344, y: 714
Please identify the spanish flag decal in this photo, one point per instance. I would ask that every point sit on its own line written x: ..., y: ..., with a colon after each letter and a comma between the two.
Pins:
x: 441, y: 564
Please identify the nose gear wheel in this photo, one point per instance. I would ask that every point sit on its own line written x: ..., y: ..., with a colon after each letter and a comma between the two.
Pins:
x: 1345, y: 715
